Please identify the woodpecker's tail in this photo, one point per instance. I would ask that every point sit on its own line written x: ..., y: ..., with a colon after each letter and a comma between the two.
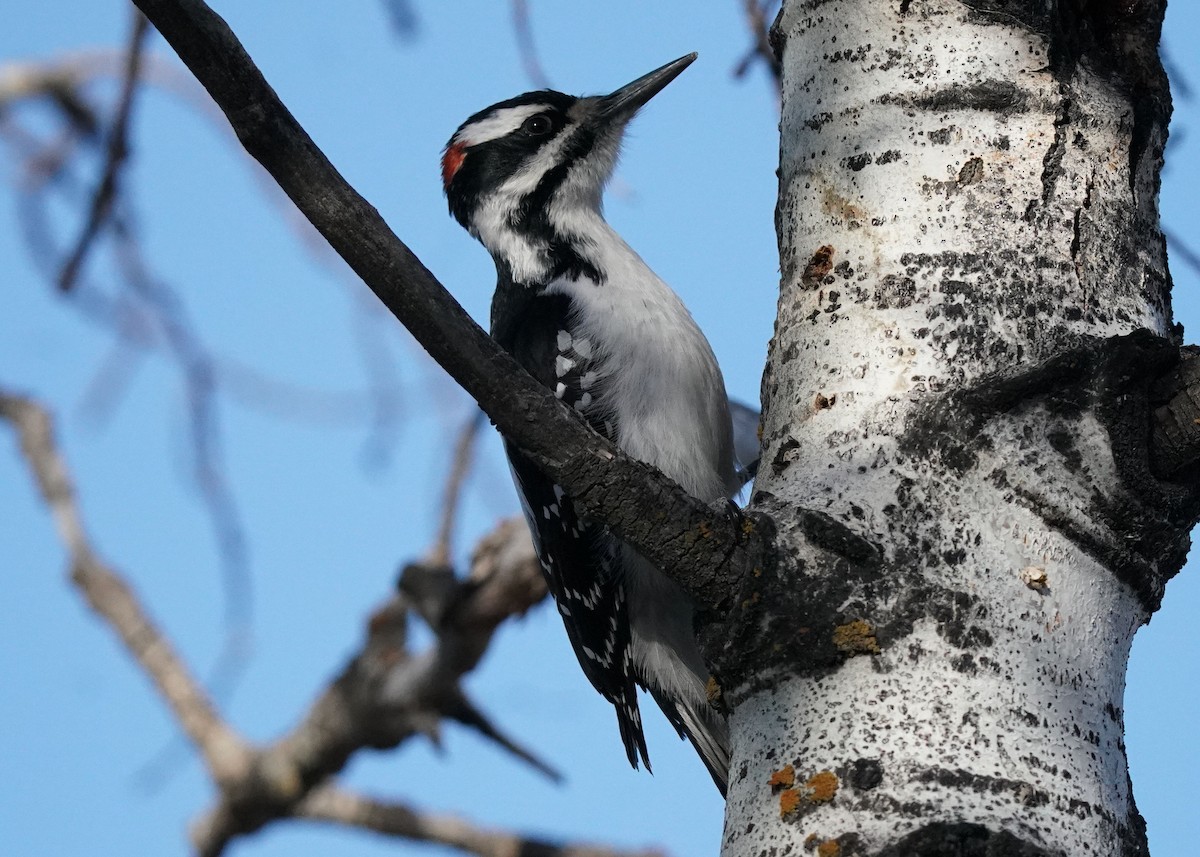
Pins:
x: 708, y: 731
x: 629, y: 721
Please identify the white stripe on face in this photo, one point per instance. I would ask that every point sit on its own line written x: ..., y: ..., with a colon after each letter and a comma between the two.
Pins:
x: 526, y: 179
x: 496, y: 125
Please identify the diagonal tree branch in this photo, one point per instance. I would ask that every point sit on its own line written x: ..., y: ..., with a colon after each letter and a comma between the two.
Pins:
x: 460, y: 466
x: 226, y: 755
x: 345, y: 808
x: 756, y: 12
x: 704, y: 549
x: 116, y: 152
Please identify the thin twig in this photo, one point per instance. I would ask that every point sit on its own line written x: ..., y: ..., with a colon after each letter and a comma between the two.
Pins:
x: 1182, y: 250
x: 523, y: 30
x: 443, y: 546
x: 208, y: 468
x: 110, y: 596
x: 1180, y: 86
x: 403, y: 18
x: 330, y: 804
x: 756, y: 12
x: 116, y: 153
x: 62, y: 82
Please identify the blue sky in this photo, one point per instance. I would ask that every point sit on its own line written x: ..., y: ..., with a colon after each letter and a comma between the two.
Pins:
x: 330, y: 507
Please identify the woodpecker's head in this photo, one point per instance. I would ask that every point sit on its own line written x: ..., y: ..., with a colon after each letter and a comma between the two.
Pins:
x: 519, y: 170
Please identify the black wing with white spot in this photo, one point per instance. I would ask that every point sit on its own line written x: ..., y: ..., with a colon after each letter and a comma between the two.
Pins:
x: 580, y: 559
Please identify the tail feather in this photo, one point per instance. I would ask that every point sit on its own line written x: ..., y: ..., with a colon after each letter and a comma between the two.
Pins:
x: 706, y: 729
x: 629, y: 722
x: 709, y: 733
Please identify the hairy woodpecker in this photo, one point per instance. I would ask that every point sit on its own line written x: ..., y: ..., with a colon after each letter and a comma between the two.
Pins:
x: 581, y: 311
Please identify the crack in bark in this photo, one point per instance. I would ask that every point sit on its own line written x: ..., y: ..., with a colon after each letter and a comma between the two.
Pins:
x: 1052, y: 162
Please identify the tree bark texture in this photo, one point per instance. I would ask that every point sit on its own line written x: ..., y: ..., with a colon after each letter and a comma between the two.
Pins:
x: 958, y: 403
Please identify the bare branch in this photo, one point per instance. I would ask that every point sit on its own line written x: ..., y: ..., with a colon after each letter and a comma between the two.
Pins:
x: 704, y: 549
x: 1180, y: 85
x: 226, y: 756
x: 756, y: 12
x: 523, y: 29
x: 116, y: 151
x: 468, y: 715
x: 392, y: 819
x: 62, y: 81
x: 386, y: 694
x: 1181, y: 249
x: 403, y: 18
x: 383, y: 697
x: 460, y: 466
x: 146, y: 313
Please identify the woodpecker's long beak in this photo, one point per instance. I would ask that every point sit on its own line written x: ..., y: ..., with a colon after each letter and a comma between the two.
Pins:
x: 626, y: 101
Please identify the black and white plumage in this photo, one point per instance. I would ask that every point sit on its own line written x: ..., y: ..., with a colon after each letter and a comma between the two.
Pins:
x: 581, y: 311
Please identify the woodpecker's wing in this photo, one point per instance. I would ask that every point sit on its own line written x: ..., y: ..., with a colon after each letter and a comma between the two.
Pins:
x: 580, y: 559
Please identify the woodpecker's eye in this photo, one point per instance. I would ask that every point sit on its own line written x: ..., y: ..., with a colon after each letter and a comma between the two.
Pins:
x: 537, y: 125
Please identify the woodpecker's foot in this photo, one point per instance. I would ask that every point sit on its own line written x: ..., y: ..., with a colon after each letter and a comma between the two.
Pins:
x: 732, y: 513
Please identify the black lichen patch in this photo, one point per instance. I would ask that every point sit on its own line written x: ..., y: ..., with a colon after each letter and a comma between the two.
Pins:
x: 857, y: 162
x: 1132, y: 526
x: 1063, y: 443
x: 999, y: 96
x: 864, y: 774
x: 953, y: 613
x: 964, y: 664
x: 942, y: 136
x: 961, y: 780
x: 971, y: 172
x: 895, y: 291
x: 776, y: 624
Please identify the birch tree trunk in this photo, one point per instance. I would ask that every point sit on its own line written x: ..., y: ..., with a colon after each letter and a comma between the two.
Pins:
x: 974, y: 302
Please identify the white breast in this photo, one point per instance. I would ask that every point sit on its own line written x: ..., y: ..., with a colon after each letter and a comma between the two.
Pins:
x: 662, y: 380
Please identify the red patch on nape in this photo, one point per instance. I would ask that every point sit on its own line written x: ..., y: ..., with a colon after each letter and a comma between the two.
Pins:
x: 452, y: 159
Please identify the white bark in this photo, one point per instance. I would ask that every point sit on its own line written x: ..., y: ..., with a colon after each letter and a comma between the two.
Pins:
x: 952, y: 451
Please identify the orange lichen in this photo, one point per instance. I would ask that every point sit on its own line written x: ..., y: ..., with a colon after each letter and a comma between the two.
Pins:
x: 823, y: 402
x: 789, y: 802
x: 829, y: 848
x: 810, y: 841
x: 785, y: 776
x: 705, y: 530
x: 747, y: 526
x: 818, y: 266
x: 712, y: 690
x: 856, y: 638
x: 821, y: 787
